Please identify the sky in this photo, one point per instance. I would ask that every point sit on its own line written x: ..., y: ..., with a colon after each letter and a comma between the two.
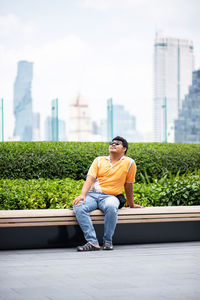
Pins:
x: 96, y: 48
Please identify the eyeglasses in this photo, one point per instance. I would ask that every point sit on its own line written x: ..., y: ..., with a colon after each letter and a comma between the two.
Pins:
x: 115, y: 143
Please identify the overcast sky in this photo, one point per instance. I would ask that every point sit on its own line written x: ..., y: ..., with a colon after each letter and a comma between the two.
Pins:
x: 98, y: 48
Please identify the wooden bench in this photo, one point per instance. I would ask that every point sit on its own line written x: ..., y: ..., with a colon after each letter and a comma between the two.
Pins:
x: 52, y: 217
x: 58, y: 228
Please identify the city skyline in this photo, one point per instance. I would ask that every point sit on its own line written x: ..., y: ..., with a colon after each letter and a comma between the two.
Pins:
x: 101, y: 49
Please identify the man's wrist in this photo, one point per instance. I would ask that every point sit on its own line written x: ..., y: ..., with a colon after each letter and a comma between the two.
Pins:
x: 131, y: 204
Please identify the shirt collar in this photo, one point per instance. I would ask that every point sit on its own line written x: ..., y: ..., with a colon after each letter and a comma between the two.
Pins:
x: 108, y: 157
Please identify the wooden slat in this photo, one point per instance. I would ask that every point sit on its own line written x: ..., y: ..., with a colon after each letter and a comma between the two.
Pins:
x: 38, y: 224
x: 66, y: 222
x: 36, y: 213
x: 69, y: 212
x: 157, y: 216
x: 158, y: 220
x: 161, y: 210
x: 95, y: 218
x: 52, y: 217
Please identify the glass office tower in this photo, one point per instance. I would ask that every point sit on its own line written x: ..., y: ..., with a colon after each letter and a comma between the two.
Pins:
x: 23, y: 102
x: 187, y: 126
x: 173, y: 67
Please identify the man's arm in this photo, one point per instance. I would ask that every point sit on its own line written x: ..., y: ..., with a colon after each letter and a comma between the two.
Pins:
x: 85, y: 189
x: 129, y: 195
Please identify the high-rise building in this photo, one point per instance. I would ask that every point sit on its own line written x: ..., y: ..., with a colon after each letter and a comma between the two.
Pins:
x: 36, y: 126
x: 54, y: 120
x: 94, y: 128
x: 23, y: 102
x: 102, y: 129
x: 49, y: 132
x: 48, y: 129
x: 80, y: 123
x: 187, y: 126
x: 124, y: 124
x: 62, y: 130
x: 173, y: 66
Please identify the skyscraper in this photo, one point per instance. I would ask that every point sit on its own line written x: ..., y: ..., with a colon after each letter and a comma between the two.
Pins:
x: 124, y: 124
x: 80, y: 124
x: 187, y: 126
x: 173, y: 66
x: 48, y: 127
x: 36, y: 126
x: 23, y: 102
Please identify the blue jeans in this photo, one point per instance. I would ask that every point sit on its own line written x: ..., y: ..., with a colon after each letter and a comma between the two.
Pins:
x: 108, y: 204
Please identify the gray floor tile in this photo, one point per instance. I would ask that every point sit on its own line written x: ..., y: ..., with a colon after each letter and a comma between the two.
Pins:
x: 152, y: 271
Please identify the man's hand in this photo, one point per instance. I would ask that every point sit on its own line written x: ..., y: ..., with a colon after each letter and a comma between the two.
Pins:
x: 78, y: 199
x: 136, y: 206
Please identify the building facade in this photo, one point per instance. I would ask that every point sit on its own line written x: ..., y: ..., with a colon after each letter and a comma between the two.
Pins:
x: 49, y: 132
x: 124, y: 124
x: 80, y: 123
x: 173, y: 67
x: 36, y: 126
x: 23, y: 129
x: 187, y: 126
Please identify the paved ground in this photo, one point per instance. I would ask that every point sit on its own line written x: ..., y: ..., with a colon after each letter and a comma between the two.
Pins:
x: 151, y: 271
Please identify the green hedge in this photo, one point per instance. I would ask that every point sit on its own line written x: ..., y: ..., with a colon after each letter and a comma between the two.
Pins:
x: 176, y: 191
x: 59, y: 193
x: 30, y: 160
x: 38, y: 193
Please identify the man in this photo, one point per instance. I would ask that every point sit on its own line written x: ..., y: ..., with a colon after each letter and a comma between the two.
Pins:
x: 106, y: 178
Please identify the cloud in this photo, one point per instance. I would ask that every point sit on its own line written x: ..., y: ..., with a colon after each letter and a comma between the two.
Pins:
x: 102, y: 5
x: 11, y: 24
x: 106, y: 5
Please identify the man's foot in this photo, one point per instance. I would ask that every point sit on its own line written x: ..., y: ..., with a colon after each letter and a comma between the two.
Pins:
x: 107, y: 246
x: 88, y: 247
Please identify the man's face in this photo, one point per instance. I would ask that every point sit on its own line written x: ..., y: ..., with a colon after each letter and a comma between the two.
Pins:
x: 117, y: 147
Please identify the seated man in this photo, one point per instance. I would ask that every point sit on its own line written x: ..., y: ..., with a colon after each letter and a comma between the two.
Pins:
x: 106, y: 178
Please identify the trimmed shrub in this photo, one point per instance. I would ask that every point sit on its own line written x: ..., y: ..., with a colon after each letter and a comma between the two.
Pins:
x: 180, y: 190
x: 29, y: 160
x: 59, y: 193
x: 38, y: 193
x: 47, y: 159
x: 159, y: 159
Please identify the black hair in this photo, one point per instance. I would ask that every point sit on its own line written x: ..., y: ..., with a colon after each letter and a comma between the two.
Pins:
x: 124, y: 142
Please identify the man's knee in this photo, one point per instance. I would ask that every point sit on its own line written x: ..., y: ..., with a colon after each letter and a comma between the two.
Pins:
x: 81, y: 207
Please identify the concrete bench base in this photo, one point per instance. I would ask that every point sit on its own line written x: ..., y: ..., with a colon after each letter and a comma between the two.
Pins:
x: 71, y: 235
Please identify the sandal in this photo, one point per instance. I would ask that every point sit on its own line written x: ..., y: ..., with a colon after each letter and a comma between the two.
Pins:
x: 88, y: 247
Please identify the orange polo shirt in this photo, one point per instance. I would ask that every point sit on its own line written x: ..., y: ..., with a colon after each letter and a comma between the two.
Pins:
x: 110, y: 179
